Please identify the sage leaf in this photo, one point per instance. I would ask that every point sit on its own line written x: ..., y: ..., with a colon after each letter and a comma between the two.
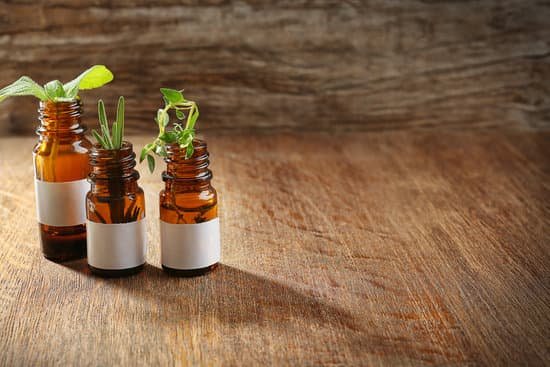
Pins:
x: 95, y: 77
x: 23, y: 86
x: 54, y: 90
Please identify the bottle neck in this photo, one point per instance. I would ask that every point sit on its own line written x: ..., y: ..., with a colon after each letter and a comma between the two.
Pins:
x: 112, y: 172
x: 182, y: 173
x: 60, y: 118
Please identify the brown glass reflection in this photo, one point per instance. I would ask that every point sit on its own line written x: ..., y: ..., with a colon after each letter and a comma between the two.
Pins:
x: 188, y: 196
x: 115, y: 196
x: 61, y: 155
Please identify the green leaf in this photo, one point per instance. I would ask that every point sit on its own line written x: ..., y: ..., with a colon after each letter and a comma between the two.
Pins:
x: 151, y: 163
x: 159, y: 150
x: 101, y: 112
x: 186, y: 137
x: 54, y: 90
x: 162, y: 119
x: 165, y: 119
x: 104, y: 124
x: 189, y: 151
x: 23, y: 86
x: 172, y: 96
x: 120, y: 121
x: 146, y: 149
x: 95, y: 77
x: 114, y: 137
x: 98, y: 138
x: 168, y: 137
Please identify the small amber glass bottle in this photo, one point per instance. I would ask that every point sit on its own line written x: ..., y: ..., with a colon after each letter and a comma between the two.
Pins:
x: 115, y: 208
x: 61, y: 168
x: 189, y: 224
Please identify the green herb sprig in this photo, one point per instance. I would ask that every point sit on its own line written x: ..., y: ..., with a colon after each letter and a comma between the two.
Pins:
x: 94, y: 77
x: 110, y: 139
x: 183, y: 135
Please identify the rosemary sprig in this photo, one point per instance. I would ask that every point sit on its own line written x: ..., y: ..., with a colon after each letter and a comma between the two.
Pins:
x: 110, y: 139
x: 183, y: 135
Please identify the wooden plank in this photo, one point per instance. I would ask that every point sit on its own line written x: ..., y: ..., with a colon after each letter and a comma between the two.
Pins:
x: 293, y: 65
x: 377, y: 249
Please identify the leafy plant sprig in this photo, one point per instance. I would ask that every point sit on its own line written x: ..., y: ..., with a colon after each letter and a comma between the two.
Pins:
x: 183, y: 135
x: 94, y: 77
x: 112, y: 139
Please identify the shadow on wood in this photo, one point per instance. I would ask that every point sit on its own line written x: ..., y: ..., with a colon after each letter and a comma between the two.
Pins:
x: 230, y: 294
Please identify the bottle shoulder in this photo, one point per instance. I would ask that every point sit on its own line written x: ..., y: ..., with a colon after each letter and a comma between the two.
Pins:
x: 188, y: 199
x: 104, y: 193
x: 48, y: 147
x: 205, y: 193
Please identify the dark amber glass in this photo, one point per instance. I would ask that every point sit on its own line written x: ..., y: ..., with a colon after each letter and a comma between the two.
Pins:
x: 115, y: 196
x: 188, y: 196
x: 61, y: 155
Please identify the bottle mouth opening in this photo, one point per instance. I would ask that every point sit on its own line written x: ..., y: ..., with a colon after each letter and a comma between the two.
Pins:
x: 177, y: 154
x: 60, y: 117
x: 196, y: 179
x: 109, y: 163
x: 52, y: 108
x: 125, y: 149
x: 66, y: 102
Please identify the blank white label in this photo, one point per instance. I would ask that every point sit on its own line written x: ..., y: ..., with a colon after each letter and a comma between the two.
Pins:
x: 190, y: 246
x: 116, y: 246
x: 61, y: 204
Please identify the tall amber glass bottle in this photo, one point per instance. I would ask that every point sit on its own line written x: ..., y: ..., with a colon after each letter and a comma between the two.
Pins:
x: 61, y: 168
x: 189, y: 224
x: 115, y: 209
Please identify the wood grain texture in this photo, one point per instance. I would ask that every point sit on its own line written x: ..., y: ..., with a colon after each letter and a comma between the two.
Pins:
x: 292, y: 65
x: 379, y: 249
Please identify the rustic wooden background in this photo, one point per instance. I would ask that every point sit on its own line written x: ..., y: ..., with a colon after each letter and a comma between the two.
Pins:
x: 292, y: 65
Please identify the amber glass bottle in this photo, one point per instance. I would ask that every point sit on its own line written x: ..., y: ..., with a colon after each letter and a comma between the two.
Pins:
x: 189, y: 224
x: 115, y: 208
x: 61, y: 168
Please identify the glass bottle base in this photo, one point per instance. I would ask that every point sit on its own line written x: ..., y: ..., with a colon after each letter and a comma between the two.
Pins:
x: 189, y: 272
x: 109, y: 273
x: 63, y: 243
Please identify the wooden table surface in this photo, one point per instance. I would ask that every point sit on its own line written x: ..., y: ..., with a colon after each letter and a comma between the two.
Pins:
x: 396, y: 248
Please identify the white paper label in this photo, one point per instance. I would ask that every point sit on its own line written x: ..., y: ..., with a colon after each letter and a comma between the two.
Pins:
x: 190, y: 246
x: 116, y: 246
x: 61, y: 204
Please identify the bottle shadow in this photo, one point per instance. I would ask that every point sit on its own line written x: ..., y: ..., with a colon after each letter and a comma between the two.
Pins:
x: 229, y: 294
x: 236, y: 297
